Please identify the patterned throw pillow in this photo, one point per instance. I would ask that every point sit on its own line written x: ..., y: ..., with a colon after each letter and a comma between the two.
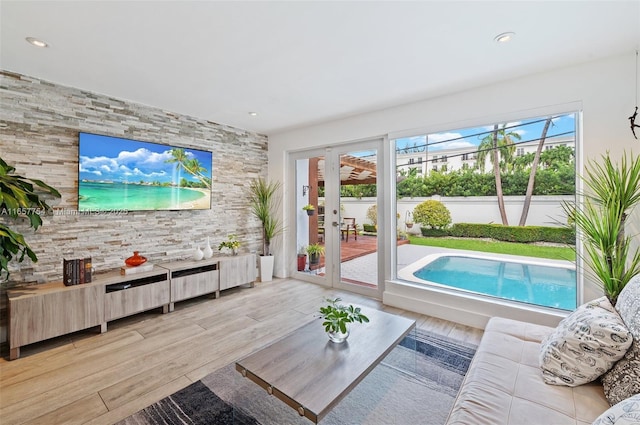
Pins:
x: 585, y: 345
x: 623, y: 380
x: 627, y: 412
x: 628, y: 305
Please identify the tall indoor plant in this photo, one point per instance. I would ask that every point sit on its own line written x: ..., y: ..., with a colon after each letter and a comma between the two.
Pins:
x: 612, y: 191
x: 265, y: 200
x: 19, y: 197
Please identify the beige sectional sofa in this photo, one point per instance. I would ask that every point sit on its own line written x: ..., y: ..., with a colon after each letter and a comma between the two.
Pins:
x: 504, y: 385
x: 597, y: 343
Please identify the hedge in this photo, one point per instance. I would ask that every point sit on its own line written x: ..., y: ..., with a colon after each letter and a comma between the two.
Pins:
x: 520, y: 234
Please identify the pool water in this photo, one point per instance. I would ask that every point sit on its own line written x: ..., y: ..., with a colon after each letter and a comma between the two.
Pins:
x: 529, y: 283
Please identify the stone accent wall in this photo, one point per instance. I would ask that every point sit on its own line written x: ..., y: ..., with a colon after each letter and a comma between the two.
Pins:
x: 39, y: 125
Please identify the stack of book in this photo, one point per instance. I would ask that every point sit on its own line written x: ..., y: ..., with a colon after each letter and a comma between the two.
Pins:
x: 76, y: 271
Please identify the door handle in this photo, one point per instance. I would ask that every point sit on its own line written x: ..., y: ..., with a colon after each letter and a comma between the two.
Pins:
x: 335, y: 224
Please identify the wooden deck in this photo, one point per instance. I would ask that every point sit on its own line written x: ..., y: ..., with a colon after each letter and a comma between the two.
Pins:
x: 365, y: 244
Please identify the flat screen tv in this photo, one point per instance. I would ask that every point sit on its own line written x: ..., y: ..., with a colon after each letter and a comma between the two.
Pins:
x: 116, y: 174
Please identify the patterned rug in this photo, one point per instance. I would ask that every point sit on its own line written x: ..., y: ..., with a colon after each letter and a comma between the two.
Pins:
x: 416, y: 383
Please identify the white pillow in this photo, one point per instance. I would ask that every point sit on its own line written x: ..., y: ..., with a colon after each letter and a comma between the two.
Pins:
x: 585, y: 345
x: 627, y: 412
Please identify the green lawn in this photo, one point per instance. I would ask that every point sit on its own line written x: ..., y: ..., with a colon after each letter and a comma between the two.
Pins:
x: 552, y: 252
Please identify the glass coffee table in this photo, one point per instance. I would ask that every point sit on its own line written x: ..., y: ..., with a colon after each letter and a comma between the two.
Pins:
x: 311, y: 374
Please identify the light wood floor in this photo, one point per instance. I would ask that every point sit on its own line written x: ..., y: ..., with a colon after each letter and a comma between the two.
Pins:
x: 90, y: 378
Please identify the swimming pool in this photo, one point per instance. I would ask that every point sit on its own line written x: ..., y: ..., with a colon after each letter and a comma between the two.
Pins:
x: 533, y: 282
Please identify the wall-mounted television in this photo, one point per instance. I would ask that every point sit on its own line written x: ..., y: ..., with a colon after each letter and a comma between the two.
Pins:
x: 117, y: 174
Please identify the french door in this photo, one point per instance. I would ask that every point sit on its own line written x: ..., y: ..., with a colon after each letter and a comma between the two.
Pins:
x: 341, y: 184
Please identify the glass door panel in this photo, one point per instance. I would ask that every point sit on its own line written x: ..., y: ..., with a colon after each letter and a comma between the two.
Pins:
x: 310, y: 215
x: 358, y: 209
x: 336, y: 205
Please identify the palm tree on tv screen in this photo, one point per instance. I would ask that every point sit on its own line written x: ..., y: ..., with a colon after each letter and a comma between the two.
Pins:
x: 190, y: 165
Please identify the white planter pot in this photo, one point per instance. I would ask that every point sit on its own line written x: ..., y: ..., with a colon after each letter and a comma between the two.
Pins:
x: 266, y: 268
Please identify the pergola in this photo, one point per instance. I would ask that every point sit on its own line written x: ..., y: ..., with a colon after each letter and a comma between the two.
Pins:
x: 353, y: 170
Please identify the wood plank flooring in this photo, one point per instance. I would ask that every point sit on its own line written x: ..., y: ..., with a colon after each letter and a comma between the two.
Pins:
x: 91, y: 378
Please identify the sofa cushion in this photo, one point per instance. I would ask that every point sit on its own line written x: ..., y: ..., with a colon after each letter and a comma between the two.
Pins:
x: 628, y: 305
x: 585, y: 345
x: 627, y: 412
x: 623, y: 380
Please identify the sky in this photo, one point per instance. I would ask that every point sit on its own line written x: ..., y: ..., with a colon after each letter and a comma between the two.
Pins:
x: 530, y: 129
x: 105, y: 158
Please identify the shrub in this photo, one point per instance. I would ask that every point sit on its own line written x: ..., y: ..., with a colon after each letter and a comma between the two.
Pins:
x: 521, y: 234
x: 370, y: 228
x: 432, y: 214
x: 372, y: 214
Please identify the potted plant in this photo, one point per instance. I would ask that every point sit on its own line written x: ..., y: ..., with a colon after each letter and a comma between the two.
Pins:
x: 310, y: 209
x: 315, y: 250
x: 19, y: 197
x: 336, y: 318
x: 613, y: 192
x: 232, y: 243
x: 264, y: 202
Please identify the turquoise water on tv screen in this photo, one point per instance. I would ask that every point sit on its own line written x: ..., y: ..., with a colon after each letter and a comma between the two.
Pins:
x: 530, y: 283
x: 97, y: 196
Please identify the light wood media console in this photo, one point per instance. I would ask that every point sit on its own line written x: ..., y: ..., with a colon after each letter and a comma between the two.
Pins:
x: 49, y: 310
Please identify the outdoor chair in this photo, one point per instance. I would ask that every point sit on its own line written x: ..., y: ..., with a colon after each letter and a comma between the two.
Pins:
x: 349, y: 226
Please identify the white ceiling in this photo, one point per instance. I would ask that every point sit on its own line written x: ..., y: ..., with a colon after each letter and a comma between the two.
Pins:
x: 302, y: 62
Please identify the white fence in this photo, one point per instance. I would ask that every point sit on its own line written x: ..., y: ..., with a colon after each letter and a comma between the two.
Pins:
x: 543, y: 211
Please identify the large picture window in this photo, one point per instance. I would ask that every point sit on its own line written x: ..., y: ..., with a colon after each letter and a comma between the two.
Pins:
x: 482, y: 210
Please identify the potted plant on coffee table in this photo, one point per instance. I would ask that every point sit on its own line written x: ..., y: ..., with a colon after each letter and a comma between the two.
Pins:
x: 337, y: 317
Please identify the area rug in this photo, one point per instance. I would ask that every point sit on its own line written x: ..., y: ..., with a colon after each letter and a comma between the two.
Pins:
x: 416, y: 383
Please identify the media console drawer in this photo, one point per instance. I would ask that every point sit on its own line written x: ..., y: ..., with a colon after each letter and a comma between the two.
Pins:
x: 135, y: 299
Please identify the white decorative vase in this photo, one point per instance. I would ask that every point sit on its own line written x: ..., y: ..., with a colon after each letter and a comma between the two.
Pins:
x: 198, y: 254
x: 208, y: 252
x: 266, y: 268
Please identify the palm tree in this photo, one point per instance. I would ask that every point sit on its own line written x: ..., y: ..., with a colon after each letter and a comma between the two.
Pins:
x: 502, y: 147
x: 193, y: 166
x: 190, y: 165
x: 532, y: 174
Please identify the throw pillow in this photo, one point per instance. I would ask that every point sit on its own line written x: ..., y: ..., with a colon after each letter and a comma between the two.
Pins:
x: 628, y: 305
x: 623, y: 380
x: 627, y: 412
x: 585, y: 345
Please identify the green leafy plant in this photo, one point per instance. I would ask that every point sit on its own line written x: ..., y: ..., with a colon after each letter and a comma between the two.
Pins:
x: 336, y: 316
x: 308, y: 207
x: 613, y: 190
x: 432, y: 214
x: 232, y: 243
x: 372, y: 214
x: 315, y: 249
x: 20, y: 197
x: 264, y: 202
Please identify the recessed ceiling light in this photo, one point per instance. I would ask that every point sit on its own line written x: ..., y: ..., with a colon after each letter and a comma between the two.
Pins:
x: 253, y: 114
x: 36, y: 42
x: 505, y: 37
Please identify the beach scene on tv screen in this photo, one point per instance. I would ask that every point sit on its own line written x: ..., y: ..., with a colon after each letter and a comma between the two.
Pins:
x: 118, y: 174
